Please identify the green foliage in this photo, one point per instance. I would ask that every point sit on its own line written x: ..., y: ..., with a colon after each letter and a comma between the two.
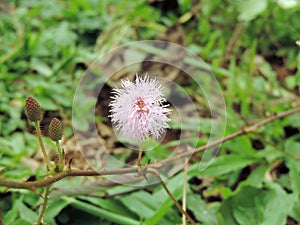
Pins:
x: 257, y: 206
x: 47, y: 45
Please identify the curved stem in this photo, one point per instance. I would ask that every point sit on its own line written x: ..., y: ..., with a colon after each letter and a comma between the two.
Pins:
x: 155, y: 172
x: 41, y: 143
x: 295, y: 157
x: 44, y: 206
x: 185, y: 168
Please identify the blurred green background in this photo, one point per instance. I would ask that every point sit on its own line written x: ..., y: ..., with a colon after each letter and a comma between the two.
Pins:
x: 45, y: 47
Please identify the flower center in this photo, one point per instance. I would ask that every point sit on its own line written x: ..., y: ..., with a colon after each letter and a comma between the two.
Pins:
x: 141, y: 105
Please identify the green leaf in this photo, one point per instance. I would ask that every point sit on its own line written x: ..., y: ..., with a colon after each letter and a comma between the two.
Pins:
x: 18, y: 143
x: 41, y: 67
x: 11, y: 216
x: 55, y: 206
x: 47, y: 104
x: 295, y: 212
x: 252, y: 205
x: 226, y: 164
x: 257, y: 176
x: 21, y: 222
x: 114, y: 217
x: 250, y: 9
x: 294, y: 119
x: 287, y: 4
x: 26, y: 213
x: 241, y: 145
x: 199, y: 208
x: 294, y: 177
x: 164, y: 207
x: 292, y: 146
x: 113, y: 205
x: 279, y: 204
x: 141, y: 203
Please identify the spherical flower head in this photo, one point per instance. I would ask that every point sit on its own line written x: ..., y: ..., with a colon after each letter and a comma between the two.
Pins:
x: 137, y: 109
x: 33, y: 109
x: 55, y: 130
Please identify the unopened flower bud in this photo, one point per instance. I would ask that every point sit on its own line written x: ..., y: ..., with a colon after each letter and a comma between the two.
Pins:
x: 55, y: 130
x: 33, y: 109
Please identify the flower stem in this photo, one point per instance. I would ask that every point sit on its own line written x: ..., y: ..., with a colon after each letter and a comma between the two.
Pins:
x: 184, y: 191
x: 155, y: 172
x: 41, y: 143
x: 140, y: 156
x: 61, y: 156
x: 44, y: 206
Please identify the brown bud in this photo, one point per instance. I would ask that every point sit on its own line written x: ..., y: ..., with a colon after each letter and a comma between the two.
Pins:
x: 33, y: 109
x: 55, y: 129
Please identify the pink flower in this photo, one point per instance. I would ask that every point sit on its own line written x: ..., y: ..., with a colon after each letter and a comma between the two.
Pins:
x: 137, y: 109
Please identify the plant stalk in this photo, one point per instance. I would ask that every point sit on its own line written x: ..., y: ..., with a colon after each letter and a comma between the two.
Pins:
x: 44, y: 206
x: 60, y: 156
x: 155, y: 172
x: 140, y: 156
x: 41, y: 143
x: 185, y: 168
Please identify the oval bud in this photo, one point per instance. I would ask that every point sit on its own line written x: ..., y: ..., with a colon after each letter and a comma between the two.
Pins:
x: 33, y: 109
x: 55, y: 130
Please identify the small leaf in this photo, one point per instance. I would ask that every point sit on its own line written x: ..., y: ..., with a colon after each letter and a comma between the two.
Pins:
x: 41, y: 67
x: 102, y: 213
x: 142, y: 203
x: 228, y: 163
x: 287, y: 4
x: 200, y: 209
x: 55, y: 206
x: 26, y: 213
x: 21, y: 222
x: 249, y: 9
x: 252, y: 205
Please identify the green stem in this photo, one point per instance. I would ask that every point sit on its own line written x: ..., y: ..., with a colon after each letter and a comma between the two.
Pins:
x: 39, y: 135
x: 155, y: 172
x: 61, y: 156
x: 140, y: 156
x: 277, y: 148
x: 184, y: 191
x: 44, y: 206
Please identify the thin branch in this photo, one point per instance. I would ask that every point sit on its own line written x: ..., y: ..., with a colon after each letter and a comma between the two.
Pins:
x: 106, y: 195
x: 232, y: 41
x: 156, y: 173
x: 185, y: 169
x: 33, y: 185
x: 44, y: 206
x: 277, y: 148
x: 243, y: 131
